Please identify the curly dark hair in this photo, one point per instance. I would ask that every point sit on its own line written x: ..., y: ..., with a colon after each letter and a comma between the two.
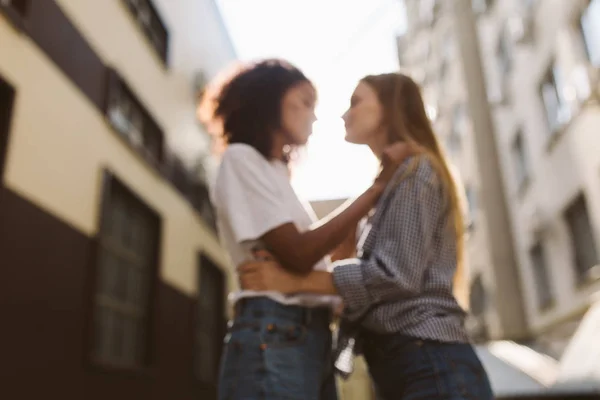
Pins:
x: 245, y: 107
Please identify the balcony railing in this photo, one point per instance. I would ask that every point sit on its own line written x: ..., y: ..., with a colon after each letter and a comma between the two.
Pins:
x: 192, y: 187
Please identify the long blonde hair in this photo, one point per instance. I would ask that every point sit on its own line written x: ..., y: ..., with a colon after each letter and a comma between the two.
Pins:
x: 406, y: 119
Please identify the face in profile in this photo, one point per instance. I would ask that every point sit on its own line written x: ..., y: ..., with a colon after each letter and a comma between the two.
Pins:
x: 298, y: 112
x: 363, y: 119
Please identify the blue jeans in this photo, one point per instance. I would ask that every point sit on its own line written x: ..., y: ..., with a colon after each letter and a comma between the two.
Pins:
x: 410, y: 369
x: 273, y: 351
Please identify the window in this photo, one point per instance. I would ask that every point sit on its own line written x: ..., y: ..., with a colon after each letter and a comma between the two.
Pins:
x: 400, y: 49
x: 478, y: 300
x: 7, y: 96
x: 590, y: 28
x: 210, y: 320
x: 459, y: 119
x: 454, y: 144
x: 520, y: 161
x: 200, y: 199
x: 443, y: 73
x: 127, y: 115
x: 557, y: 109
x: 582, y: 237
x: 180, y: 176
x: 448, y: 46
x: 429, y: 11
x: 476, y: 323
x: 15, y: 11
x: 472, y: 204
x: 19, y: 6
x: 191, y: 184
x: 504, y: 50
x: 126, y: 268
x: 481, y: 6
x: 150, y: 22
x: 545, y: 296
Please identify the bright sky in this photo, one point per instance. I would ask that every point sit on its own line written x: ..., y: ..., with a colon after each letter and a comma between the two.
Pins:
x: 335, y: 42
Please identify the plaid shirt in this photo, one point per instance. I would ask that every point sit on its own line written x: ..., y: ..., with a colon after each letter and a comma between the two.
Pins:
x: 402, y: 282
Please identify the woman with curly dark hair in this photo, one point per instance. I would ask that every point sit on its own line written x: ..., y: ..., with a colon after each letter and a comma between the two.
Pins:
x: 278, y: 346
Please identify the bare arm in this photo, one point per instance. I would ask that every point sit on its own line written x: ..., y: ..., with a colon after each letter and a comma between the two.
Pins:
x: 396, y: 265
x: 299, y: 252
x: 346, y: 249
x: 262, y: 215
x: 268, y: 274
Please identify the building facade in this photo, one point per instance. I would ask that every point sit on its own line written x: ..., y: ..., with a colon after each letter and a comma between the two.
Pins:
x: 113, y: 281
x: 542, y: 60
x: 431, y: 52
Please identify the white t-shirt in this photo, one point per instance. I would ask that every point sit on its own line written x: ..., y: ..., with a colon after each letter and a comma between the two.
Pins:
x: 252, y: 196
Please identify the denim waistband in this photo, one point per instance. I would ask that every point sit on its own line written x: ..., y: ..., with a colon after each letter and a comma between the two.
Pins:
x: 258, y: 307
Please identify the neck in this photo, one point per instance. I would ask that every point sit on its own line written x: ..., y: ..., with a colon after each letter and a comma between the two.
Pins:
x: 378, y: 144
x: 278, y: 144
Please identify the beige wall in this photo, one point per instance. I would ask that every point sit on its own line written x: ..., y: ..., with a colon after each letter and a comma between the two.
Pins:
x: 559, y: 171
x: 198, y: 42
x: 322, y: 208
x: 60, y: 144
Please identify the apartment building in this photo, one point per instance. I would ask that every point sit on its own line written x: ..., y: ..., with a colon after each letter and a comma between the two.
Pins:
x: 113, y: 281
x: 431, y: 52
x: 542, y: 60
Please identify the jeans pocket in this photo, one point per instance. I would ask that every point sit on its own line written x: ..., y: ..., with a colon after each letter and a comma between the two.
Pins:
x: 294, y: 360
x: 241, y: 363
x: 287, y: 374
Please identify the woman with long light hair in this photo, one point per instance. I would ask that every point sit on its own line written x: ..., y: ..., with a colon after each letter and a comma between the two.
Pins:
x: 407, y: 289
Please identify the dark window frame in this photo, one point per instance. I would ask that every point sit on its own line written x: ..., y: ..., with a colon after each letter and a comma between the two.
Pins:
x: 456, y: 136
x: 157, y: 22
x: 550, y: 81
x: 584, y: 37
x: 150, y: 143
x: 481, y: 7
x: 584, y: 273
x: 478, y: 292
x: 200, y: 200
x: 16, y: 11
x: 479, y: 304
x: 191, y: 184
x: 429, y: 13
x: 472, y: 205
x: 206, y: 266
x: 8, y: 96
x: 144, y: 367
x: 542, y: 275
x: 504, y: 51
x: 454, y: 141
x: 521, y: 160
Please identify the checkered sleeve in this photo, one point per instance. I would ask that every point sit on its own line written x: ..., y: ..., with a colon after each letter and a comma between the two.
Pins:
x: 395, y: 268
